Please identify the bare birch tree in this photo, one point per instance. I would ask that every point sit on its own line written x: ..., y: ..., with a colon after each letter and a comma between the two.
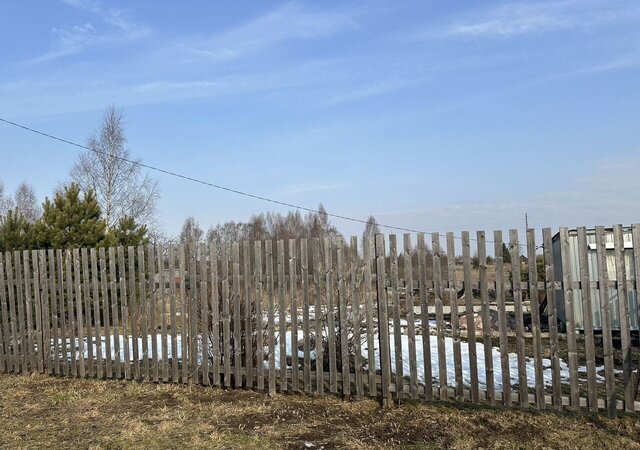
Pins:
x: 191, y: 231
x: 371, y: 228
x: 6, y: 203
x: 121, y: 187
x: 27, y: 203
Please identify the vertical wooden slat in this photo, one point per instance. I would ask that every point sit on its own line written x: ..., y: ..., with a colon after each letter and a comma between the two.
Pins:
x: 293, y: 296
x: 383, y: 320
x: 164, y: 343
x: 268, y: 253
x: 411, y: 331
x: 115, y: 326
x: 142, y: 306
x: 486, y: 319
x: 71, y: 322
x: 257, y: 274
x: 17, y: 316
x: 134, y: 312
x: 514, y: 250
x: 343, y: 325
x: 248, y: 314
x: 587, y: 317
x: 4, y: 346
x: 63, y: 313
x: 226, y: 325
x: 437, y: 292
x: 58, y: 308
x: 29, y: 309
x: 535, y: 318
x: 86, y: 294
x: 282, y: 331
x: 397, y: 330
x: 152, y: 304
x: 215, y: 313
x: 306, y: 346
x: 623, y: 308
x: 553, y: 318
x: 356, y: 316
x: 237, y: 318
x: 569, y: 314
x: 317, y: 276
x: 424, y: 317
x: 455, y: 326
x: 204, y: 316
x: 15, y: 329
x: 24, y: 348
x: 184, y: 305
x: 367, y: 250
x: 46, y: 317
x: 331, y: 309
x: 124, y: 313
x: 97, y: 325
x: 635, y: 235
x: 37, y: 306
x: 603, y: 294
x: 79, y: 319
x: 54, y: 312
x: 175, y: 374
x: 502, y: 317
x: 22, y: 297
x: 4, y: 343
x: 8, y: 361
x: 193, y: 314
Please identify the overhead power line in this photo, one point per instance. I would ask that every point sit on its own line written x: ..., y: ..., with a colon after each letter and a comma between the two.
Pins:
x: 213, y: 185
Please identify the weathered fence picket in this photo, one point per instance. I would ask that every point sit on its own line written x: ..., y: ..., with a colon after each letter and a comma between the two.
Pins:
x: 356, y: 317
x: 585, y: 295
x: 611, y: 400
x: 409, y: 306
x: 502, y: 318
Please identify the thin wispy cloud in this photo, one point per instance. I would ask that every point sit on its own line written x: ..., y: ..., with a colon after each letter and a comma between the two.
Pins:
x: 288, y: 22
x: 371, y: 90
x: 522, y: 18
x: 61, y: 94
x: 111, y: 26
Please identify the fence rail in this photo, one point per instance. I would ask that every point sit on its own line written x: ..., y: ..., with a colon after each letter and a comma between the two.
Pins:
x: 377, y: 318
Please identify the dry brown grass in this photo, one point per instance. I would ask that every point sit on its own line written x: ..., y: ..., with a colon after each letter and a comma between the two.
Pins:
x: 41, y: 411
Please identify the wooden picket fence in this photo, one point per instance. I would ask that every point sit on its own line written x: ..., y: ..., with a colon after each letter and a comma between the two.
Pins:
x: 360, y: 319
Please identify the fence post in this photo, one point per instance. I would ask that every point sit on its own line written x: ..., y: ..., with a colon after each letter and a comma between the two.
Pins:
x: 383, y: 321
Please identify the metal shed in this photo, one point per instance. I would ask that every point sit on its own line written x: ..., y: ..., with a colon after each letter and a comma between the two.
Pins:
x: 574, y: 264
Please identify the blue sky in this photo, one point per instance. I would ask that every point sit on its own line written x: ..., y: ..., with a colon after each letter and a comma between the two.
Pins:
x: 431, y: 115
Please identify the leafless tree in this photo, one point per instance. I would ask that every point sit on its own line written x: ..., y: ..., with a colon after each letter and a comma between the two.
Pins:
x: 6, y: 203
x: 191, y: 231
x: 121, y: 187
x: 256, y: 228
x: 371, y: 228
x: 225, y: 234
x: 319, y: 226
x: 27, y: 203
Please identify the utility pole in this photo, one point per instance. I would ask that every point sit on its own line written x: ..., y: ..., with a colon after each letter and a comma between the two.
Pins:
x: 526, y: 222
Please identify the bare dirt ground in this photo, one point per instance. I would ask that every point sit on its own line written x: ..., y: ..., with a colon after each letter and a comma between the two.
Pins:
x: 40, y: 411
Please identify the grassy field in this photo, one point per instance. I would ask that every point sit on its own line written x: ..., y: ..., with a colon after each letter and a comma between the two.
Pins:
x: 39, y: 411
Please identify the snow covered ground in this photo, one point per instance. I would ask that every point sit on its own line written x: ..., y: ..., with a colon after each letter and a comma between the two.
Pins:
x: 464, y: 347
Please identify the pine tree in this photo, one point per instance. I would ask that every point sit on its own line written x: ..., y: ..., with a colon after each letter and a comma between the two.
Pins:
x: 16, y: 232
x: 127, y: 233
x: 71, y: 220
